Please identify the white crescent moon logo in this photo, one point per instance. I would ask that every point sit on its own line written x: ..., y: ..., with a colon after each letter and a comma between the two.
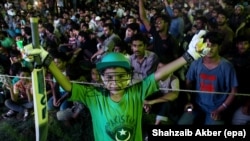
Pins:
x: 116, y: 138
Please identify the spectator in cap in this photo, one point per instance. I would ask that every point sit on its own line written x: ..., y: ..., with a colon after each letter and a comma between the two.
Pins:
x: 93, y: 22
x: 237, y: 17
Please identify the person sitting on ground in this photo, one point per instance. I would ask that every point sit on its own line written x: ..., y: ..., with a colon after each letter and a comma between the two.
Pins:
x: 163, y: 103
x: 241, y: 61
x: 61, y: 62
x: 69, y: 115
x: 21, y: 99
x: 143, y: 61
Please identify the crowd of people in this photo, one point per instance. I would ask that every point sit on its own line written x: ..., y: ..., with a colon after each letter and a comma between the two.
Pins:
x: 212, y: 90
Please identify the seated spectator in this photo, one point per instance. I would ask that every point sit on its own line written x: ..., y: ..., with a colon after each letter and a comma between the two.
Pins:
x: 163, y: 103
x: 122, y: 48
x: 143, y: 61
x: 100, y: 39
x: 110, y: 41
x: 58, y: 100
x: 241, y: 61
x: 242, y: 115
x: 14, y: 70
x: 21, y: 99
x: 131, y: 29
x: 95, y: 76
x: 70, y: 114
x: 85, y: 50
x: 68, y: 48
x: 240, y: 58
x: 16, y: 56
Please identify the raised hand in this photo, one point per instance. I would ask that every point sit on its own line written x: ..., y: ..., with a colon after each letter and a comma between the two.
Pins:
x: 197, y: 47
x: 44, y: 55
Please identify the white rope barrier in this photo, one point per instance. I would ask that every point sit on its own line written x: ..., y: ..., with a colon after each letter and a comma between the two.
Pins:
x: 3, y: 77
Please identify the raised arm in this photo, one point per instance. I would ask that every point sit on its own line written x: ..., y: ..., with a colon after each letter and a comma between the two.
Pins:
x: 60, y: 77
x: 195, y: 50
x: 169, y: 68
x: 168, y: 8
x: 49, y: 63
x: 143, y: 15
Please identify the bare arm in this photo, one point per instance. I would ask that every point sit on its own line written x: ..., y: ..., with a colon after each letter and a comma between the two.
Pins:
x: 99, y: 52
x: 60, y: 77
x: 13, y: 95
x: 169, y: 68
x: 143, y: 16
x: 222, y: 4
x: 168, y: 8
x: 29, y: 93
x: 171, y: 96
x: 229, y: 99
x: 77, y: 51
x: 216, y: 114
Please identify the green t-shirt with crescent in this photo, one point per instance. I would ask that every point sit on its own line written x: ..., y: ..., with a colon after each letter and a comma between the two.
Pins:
x: 116, y: 120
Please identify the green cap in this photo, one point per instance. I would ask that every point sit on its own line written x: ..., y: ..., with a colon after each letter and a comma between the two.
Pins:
x: 113, y: 59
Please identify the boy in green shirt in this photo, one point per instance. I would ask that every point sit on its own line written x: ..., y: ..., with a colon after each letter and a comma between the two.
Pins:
x: 116, y: 108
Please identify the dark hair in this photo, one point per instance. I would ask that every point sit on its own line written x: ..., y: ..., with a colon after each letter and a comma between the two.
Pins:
x: 164, y: 17
x: 203, y: 19
x: 223, y: 12
x: 241, y: 38
x: 131, y: 17
x: 15, y: 53
x: 134, y: 26
x: 73, y: 71
x: 60, y: 55
x: 109, y: 25
x: 75, y: 26
x: 15, y: 67
x: 24, y: 69
x: 18, y: 34
x: 49, y: 27
x: 139, y: 37
x: 27, y: 30
x: 214, y: 37
x: 123, y: 46
x: 84, y: 34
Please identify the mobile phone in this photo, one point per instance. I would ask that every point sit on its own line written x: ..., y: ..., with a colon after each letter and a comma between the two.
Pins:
x: 189, y: 109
